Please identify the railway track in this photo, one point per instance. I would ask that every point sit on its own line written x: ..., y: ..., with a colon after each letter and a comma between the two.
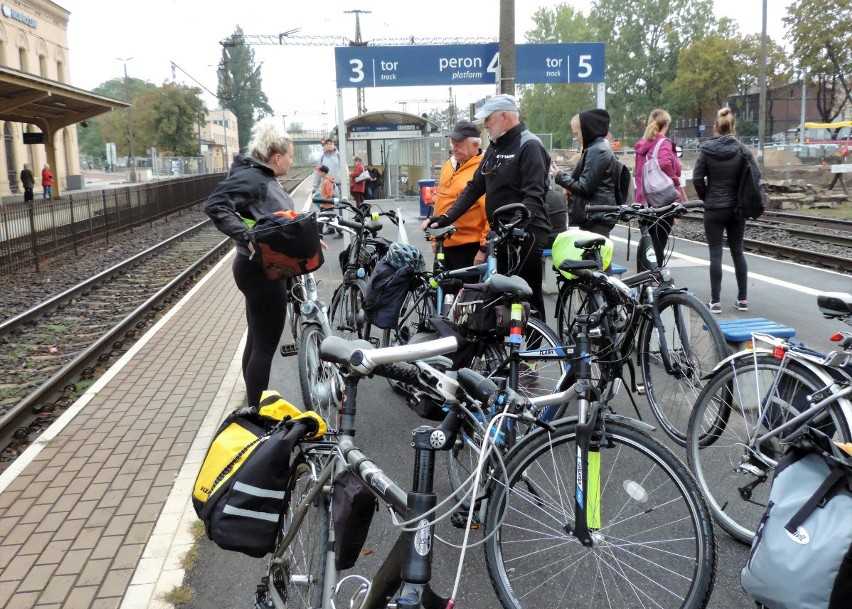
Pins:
x: 51, y: 352
x: 821, y: 242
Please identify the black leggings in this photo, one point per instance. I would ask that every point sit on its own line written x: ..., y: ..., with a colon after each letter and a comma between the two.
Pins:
x: 531, y: 267
x: 716, y: 223
x: 266, y: 315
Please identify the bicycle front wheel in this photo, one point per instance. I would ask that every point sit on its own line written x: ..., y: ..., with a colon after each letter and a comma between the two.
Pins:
x: 741, y: 402
x: 653, y: 542
x: 694, y: 345
x: 346, y: 314
x: 321, y: 382
x: 297, y: 573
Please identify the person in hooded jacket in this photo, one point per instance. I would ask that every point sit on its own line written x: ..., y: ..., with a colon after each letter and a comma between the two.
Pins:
x: 250, y: 191
x: 513, y: 170
x: 592, y: 181
x: 716, y: 178
x: 655, y: 130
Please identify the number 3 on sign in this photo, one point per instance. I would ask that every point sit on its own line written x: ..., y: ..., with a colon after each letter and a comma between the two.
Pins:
x: 357, y: 70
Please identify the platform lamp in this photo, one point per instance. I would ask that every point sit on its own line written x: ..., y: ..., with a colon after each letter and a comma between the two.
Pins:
x: 131, y: 161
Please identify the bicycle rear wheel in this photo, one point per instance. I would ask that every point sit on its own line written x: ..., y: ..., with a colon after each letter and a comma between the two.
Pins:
x: 695, y: 345
x: 296, y: 574
x: 346, y: 314
x: 321, y: 382
x: 653, y: 545
x: 741, y: 401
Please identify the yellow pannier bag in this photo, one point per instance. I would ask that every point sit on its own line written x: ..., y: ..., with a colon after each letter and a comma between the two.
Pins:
x: 564, y: 249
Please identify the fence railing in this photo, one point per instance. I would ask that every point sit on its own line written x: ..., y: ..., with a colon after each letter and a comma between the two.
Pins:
x: 33, y: 232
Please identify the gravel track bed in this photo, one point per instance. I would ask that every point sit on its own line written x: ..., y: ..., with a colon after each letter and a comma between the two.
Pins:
x: 24, y: 290
x: 695, y: 232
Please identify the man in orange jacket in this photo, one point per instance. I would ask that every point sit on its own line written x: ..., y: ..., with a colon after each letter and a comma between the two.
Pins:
x: 467, y: 245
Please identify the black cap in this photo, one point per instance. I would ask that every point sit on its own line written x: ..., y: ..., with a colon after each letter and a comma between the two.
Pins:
x: 322, y: 169
x: 464, y: 130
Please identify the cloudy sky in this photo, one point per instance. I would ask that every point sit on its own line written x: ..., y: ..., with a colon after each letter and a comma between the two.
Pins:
x: 299, y: 80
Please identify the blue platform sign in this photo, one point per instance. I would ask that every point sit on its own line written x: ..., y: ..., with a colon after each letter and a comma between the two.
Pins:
x: 469, y: 64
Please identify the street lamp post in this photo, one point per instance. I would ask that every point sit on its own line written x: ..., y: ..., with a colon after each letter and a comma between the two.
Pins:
x: 131, y: 161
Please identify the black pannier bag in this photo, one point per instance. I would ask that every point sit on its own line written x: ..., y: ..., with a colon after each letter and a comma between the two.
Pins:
x: 288, y: 245
x: 241, y: 490
x: 352, y: 507
x: 389, y: 284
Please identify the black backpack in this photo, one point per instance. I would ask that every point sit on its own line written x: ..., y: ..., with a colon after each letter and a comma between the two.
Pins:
x: 623, y: 183
x: 751, y: 200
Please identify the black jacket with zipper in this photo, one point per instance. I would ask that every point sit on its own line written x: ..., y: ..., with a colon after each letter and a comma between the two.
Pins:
x: 716, y: 176
x: 251, y: 190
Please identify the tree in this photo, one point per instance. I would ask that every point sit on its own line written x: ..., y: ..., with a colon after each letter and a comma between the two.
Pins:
x: 707, y: 75
x: 168, y: 118
x: 240, y: 88
x: 819, y: 32
x: 112, y: 126
x: 644, y: 39
x: 548, y: 107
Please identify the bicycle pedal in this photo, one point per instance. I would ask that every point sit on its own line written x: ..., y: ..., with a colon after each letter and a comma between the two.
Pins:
x: 459, y: 520
x: 288, y: 350
x: 640, y: 389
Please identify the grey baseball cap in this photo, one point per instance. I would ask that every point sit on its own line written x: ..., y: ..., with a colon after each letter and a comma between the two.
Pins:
x: 496, y: 103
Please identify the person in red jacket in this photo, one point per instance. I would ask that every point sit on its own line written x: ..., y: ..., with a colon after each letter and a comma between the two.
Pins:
x: 355, y: 187
x: 47, y: 181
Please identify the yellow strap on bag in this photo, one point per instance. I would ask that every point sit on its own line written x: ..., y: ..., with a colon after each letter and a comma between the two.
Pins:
x: 273, y: 406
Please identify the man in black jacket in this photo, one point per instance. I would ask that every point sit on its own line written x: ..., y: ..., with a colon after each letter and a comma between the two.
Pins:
x: 513, y: 170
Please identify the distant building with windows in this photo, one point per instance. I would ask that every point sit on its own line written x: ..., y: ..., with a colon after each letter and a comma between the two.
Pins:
x: 220, y: 139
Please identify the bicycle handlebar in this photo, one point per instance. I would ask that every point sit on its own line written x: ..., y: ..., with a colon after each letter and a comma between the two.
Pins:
x: 366, y: 360
x: 639, y: 211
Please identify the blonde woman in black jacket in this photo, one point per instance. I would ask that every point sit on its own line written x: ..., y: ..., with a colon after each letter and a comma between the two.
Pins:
x: 716, y: 178
x: 252, y: 190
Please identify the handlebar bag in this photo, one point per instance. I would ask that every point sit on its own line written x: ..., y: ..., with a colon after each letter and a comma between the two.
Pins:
x: 241, y: 491
x: 478, y: 309
x: 801, y: 556
x: 288, y: 245
x: 564, y: 249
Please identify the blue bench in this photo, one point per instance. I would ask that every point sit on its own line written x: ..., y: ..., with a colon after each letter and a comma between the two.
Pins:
x: 738, y: 331
x: 550, y: 286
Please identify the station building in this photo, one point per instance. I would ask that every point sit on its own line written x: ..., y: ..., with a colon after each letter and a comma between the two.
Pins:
x: 39, y: 109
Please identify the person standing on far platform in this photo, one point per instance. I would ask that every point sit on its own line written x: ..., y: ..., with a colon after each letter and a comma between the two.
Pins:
x: 355, y: 187
x: 467, y: 246
x: 513, y: 170
x: 250, y: 191
x: 330, y: 158
x: 47, y: 181
x: 28, y: 182
x: 655, y: 130
x: 716, y: 178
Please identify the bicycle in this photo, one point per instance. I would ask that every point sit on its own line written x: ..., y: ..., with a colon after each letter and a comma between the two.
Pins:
x: 752, y: 403
x: 303, y: 565
x: 603, y: 514
x: 425, y: 300
x: 675, y: 338
x: 347, y: 302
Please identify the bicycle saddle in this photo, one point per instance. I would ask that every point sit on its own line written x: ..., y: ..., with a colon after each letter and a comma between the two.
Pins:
x: 440, y: 232
x: 834, y: 304
x: 510, y: 285
x: 578, y: 265
x: 587, y: 244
